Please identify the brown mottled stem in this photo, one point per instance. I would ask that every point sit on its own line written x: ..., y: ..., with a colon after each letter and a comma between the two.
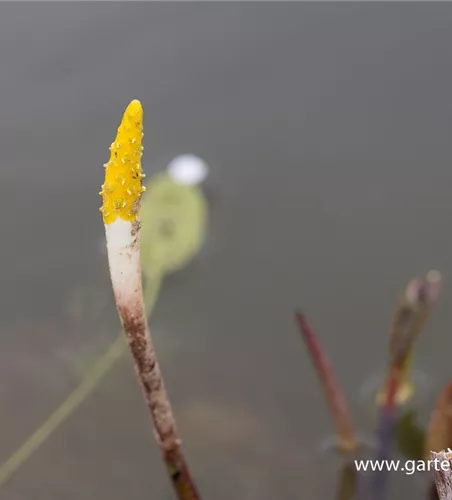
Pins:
x: 346, y: 435
x: 441, y: 463
x: 151, y: 381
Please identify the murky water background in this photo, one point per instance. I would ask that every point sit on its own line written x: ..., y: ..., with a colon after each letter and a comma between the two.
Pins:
x: 328, y: 131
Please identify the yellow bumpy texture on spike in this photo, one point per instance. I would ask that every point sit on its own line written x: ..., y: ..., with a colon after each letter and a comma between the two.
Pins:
x: 123, y: 187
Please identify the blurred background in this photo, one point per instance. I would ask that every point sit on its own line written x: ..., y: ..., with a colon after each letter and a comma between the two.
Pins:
x: 327, y: 129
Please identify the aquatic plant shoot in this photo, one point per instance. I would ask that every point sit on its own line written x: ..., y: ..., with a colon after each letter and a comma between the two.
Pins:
x: 121, y: 195
x: 346, y: 437
x: 410, y: 318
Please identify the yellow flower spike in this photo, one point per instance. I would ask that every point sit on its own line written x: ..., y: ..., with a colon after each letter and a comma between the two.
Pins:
x: 122, y: 189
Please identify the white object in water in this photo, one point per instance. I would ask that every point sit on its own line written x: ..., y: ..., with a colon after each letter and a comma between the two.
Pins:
x: 188, y: 169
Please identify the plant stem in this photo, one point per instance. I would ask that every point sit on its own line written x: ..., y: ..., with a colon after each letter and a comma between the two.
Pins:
x: 443, y: 473
x: 346, y: 435
x: 152, y: 384
x: 408, y: 322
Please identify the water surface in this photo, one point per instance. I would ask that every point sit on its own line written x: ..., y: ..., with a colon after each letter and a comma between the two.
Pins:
x: 327, y: 128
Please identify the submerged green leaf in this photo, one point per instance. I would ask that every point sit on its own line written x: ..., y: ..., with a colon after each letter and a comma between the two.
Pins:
x: 174, y: 219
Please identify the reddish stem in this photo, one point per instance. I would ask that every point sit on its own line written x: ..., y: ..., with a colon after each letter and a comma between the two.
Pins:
x: 346, y: 435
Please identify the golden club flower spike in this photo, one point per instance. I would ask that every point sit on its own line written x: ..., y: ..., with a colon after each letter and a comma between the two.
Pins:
x: 121, y: 195
x: 122, y: 189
